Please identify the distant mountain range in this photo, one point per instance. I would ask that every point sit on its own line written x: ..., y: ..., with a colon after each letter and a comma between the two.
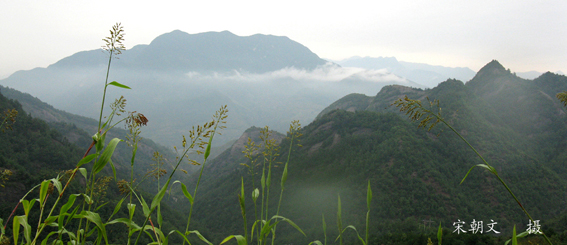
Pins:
x: 179, y: 51
x: 180, y: 79
x: 425, y: 74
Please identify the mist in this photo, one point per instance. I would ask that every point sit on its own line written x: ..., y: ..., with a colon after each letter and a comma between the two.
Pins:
x: 173, y: 101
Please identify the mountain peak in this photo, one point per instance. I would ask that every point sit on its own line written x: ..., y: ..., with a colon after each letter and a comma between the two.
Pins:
x: 490, y: 71
x: 493, y: 67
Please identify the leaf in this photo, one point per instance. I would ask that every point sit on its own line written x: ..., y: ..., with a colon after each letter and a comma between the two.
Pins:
x: 44, y: 242
x: 359, y: 238
x: 241, y: 198
x: 95, y: 218
x: 284, y: 175
x: 514, y: 238
x: 118, y: 206
x: 72, y: 215
x: 113, y: 168
x: 159, y: 217
x: 117, y: 84
x: 159, y: 196
x: 131, y: 209
x: 478, y: 165
x: 145, y: 207
x: 71, y: 235
x: 439, y: 234
x: 255, y: 194
x: 83, y: 172
x: 254, y: 226
x: 265, y: 230
x: 2, y: 231
x: 131, y: 224
x: 339, y: 220
x: 289, y: 222
x: 66, y: 207
x: 523, y: 234
x: 50, y: 220
x: 43, y: 192
x: 23, y: 221
x: 87, y: 198
x: 368, y: 195
x: 316, y: 242
x: 240, y: 239
x: 57, y: 185
x: 87, y: 159
x: 200, y: 236
x: 185, y: 192
x: 208, y: 150
x: 181, y: 234
x: 100, y: 141
x: 28, y: 205
x: 105, y: 157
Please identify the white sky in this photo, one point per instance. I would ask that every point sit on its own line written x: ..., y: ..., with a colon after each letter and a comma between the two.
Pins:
x: 522, y: 35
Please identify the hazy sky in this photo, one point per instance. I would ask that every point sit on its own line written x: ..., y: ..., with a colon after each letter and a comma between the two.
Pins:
x: 522, y: 35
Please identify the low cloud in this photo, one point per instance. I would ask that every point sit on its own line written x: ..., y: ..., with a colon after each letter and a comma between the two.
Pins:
x: 329, y: 72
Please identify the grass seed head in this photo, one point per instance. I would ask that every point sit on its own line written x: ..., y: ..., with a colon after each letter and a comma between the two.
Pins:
x: 427, y: 118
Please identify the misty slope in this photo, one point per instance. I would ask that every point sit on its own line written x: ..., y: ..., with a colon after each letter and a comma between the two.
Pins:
x: 36, y: 150
x: 515, y: 123
x: 180, y: 79
x: 425, y: 74
x: 32, y: 151
x: 78, y: 130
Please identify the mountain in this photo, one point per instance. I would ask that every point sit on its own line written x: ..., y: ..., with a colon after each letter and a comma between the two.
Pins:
x: 32, y: 151
x: 180, y: 79
x: 517, y: 125
x: 210, y: 51
x: 45, y: 142
x: 534, y: 74
x: 428, y: 75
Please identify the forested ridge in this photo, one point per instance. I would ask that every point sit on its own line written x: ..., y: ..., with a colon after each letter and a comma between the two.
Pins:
x: 34, y: 150
x: 517, y: 125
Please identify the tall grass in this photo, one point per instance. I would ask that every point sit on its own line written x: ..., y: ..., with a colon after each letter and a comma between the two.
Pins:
x: 76, y: 221
x: 430, y: 116
x: 263, y: 227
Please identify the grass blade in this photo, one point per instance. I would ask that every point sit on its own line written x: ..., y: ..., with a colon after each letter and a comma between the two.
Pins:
x: 117, y: 84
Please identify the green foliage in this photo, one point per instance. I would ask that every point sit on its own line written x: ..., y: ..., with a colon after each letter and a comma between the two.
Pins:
x: 9, y: 119
x: 79, y: 221
x: 416, y: 111
x: 563, y: 98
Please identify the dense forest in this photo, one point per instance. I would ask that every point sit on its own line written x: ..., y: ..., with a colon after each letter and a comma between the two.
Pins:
x: 517, y: 125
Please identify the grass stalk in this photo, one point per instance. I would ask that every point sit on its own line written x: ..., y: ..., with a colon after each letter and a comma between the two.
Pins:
x: 416, y: 111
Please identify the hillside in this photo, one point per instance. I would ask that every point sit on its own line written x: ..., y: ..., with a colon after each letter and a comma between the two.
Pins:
x: 181, y: 78
x: 516, y: 124
x: 32, y: 151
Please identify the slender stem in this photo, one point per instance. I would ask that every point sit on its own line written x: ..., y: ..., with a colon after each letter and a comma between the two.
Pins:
x: 12, y: 214
x: 199, y: 180
x: 105, y: 85
x: 495, y: 173
x: 197, y: 187
x: 282, y: 185
x: 281, y: 193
